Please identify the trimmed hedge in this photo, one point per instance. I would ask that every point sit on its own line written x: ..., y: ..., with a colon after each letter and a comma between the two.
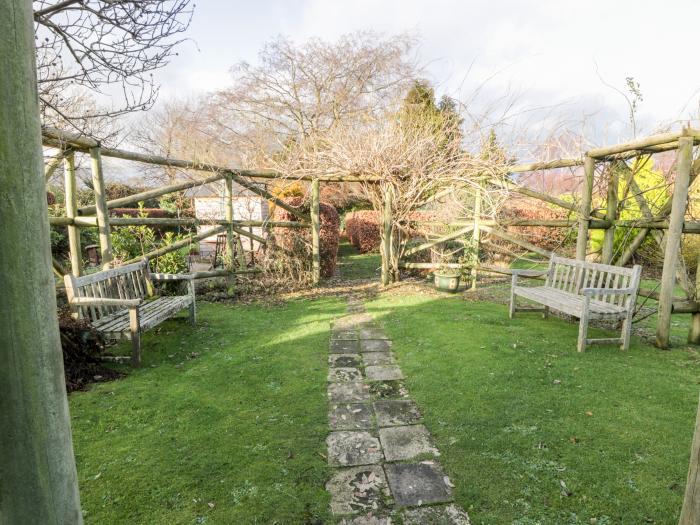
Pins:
x: 329, y: 235
x: 362, y: 230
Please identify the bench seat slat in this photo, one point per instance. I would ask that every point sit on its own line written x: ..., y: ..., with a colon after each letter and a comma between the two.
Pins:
x: 567, y: 302
x: 150, y: 314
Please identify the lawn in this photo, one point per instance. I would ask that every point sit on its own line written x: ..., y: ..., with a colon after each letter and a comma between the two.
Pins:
x: 533, y: 432
x: 226, y: 422
x: 353, y: 265
x: 232, y: 433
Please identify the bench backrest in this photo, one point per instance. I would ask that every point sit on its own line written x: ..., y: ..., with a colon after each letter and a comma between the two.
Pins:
x: 571, y: 275
x: 131, y: 281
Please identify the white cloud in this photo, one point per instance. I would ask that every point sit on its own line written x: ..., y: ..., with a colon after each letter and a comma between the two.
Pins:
x: 545, y: 50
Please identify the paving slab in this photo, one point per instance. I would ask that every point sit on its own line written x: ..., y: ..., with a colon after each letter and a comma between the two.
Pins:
x: 348, y: 392
x: 436, y: 515
x: 372, y: 332
x: 388, y: 390
x: 348, y: 335
x: 358, y: 489
x: 378, y: 358
x: 344, y: 375
x: 416, y: 484
x: 350, y: 416
x: 347, y: 448
x: 344, y: 360
x: 368, y: 519
x: 344, y: 346
x: 405, y: 443
x: 375, y: 345
x: 396, y: 412
x: 383, y: 373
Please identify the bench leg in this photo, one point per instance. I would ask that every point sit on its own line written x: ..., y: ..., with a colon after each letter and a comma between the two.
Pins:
x: 583, y: 327
x: 545, y: 313
x: 193, y: 313
x: 626, y: 332
x: 135, y: 329
x: 511, y: 309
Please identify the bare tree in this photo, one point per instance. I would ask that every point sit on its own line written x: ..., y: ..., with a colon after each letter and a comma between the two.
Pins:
x: 87, y: 46
x: 300, y: 90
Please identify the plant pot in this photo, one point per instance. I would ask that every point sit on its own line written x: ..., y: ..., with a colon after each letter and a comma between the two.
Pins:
x: 447, y: 282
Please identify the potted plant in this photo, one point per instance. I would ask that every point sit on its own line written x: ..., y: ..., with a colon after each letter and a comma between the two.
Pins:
x: 448, y: 275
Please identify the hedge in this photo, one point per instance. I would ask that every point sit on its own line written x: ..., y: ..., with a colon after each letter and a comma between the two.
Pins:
x: 329, y: 235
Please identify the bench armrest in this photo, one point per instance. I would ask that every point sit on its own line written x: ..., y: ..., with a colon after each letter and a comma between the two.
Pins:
x: 105, y: 301
x: 529, y: 273
x: 525, y: 273
x: 606, y: 291
x: 172, y: 276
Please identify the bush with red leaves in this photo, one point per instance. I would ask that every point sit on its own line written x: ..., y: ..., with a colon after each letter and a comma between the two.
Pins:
x: 549, y: 238
x: 289, y: 238
x: 362, y: 229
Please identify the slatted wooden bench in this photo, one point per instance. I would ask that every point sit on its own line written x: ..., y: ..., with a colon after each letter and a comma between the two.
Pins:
x: 585, y: 290
x: 120, y: 303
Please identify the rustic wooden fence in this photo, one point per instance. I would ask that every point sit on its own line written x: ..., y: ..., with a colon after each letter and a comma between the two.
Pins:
x: 666, y: 227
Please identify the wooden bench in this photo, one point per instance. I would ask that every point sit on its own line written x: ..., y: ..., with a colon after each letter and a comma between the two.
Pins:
x: 119, y: 305
x: 585, y: 290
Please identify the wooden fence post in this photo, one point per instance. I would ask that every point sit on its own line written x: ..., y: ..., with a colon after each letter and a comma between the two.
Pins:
x: 98, y: 186
x: 611, y: 215
x: 690, y: 513
x: 476, y: 237
x: 585, y: 207
x: 316, y: 230
x: 228, y: 197
x: 386, y: 240
x: 71, y: 198
x: 694, y: 332
x: 37, y: 467
x: 673, y: 240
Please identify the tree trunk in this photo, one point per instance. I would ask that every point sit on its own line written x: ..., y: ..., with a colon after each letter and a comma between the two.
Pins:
x: 690, y: 515
x: 38, y: 481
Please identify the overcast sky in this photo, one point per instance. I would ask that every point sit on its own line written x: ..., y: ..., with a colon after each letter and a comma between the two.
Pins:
x: 550, y: 53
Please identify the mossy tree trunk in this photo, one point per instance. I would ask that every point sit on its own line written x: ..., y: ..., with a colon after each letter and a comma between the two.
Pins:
x: 38, y: 481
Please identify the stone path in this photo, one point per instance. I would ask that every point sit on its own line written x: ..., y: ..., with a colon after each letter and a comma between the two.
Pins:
x: 386, y: 463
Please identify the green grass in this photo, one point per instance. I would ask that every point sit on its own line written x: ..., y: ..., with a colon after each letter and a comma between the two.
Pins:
x: 516, y: 411
x: 353, y: 265
x: 232, y: 435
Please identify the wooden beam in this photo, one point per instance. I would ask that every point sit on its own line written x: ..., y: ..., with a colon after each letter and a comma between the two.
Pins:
x: 690, y: 512
x: 516, y: 240
x: 386, y: 238
x: 315, y: 231
x: 38, y: 483
x: 639, y: 144
x: 673, y: 240
x: 610, y: 216
x: 694, y: 331
x: 154, y: 193
x: 546, y: 165
x: 443, y: 238
x: 176, y: 245
x: 585, y: 208
x: 476, y: 238
x: 98, y: 184
x: 71, y: 198
x: 228, y: 198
